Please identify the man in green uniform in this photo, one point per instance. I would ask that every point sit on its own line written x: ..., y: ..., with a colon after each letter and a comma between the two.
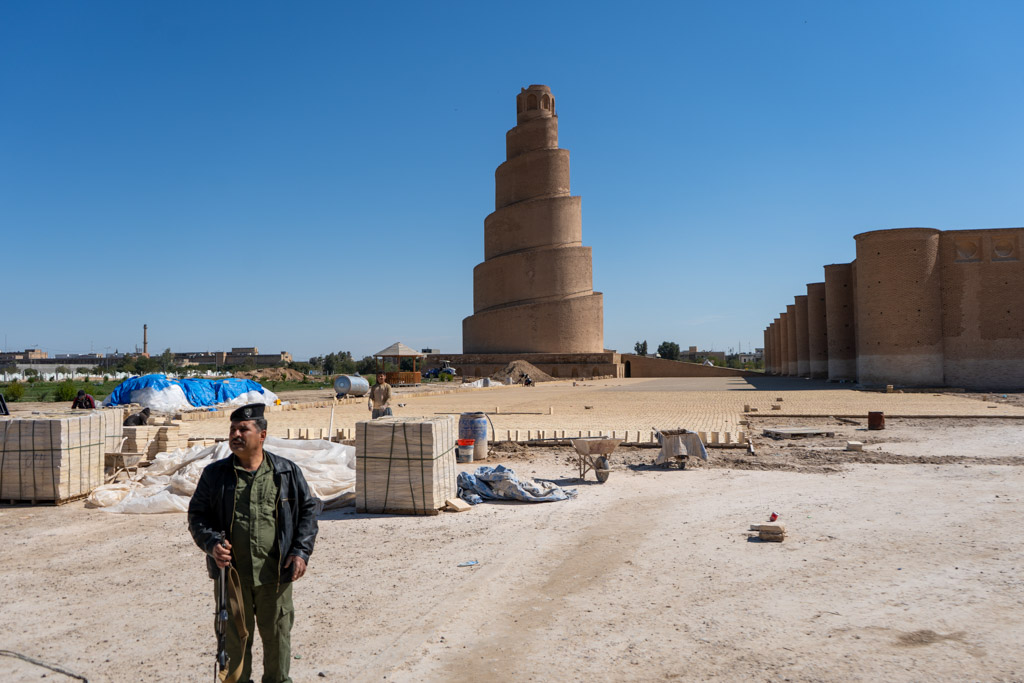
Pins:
x: 253, y: 512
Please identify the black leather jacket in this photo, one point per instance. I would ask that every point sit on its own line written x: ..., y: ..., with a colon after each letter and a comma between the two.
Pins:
x: 211, y: 510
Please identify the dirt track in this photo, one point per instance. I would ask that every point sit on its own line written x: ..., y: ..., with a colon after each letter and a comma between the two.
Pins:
x: 890, y: 571
x: 901, y: 563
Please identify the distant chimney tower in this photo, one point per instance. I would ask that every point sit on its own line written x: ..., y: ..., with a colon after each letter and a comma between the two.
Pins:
x: 145, y: 340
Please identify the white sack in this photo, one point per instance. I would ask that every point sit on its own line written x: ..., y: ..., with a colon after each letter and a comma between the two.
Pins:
x: 268, y: 397
x: 167, y: 400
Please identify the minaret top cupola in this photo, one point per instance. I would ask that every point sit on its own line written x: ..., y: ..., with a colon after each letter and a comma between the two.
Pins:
x: 535, y: 102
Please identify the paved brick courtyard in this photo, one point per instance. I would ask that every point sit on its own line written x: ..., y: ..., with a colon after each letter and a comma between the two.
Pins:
x: 638, y: 405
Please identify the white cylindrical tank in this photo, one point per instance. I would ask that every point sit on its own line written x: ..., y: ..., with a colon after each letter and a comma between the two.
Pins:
x: 351, y: 385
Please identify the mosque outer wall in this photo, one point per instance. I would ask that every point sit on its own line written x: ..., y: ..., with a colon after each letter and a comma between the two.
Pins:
x: 817, y: 332
x: 766, y: 346
x: 982, y: 292
x: 792, y: 349
x: 784, y: 344
x: 583, y: 365
x: 918, y: 307
x: 643, y: 366
x: 803, y: 358
x: 840, y: 322
x: 560, y: 365
x: 777, y: 345
x: 899, y: 307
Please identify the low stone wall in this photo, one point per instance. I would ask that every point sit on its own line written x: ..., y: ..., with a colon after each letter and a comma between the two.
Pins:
x: 558, y: 365
x: 641, y: 366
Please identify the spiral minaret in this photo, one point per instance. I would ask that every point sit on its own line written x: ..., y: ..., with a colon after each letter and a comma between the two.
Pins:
x: 533, y: 293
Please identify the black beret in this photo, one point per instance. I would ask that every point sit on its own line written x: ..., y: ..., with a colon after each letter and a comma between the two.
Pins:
x: 252, y: 411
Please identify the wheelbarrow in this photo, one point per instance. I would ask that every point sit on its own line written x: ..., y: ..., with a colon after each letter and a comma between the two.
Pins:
x: 679, y: 445
x: 592, y: 454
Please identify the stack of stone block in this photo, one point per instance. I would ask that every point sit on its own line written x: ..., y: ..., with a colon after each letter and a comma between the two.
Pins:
x: 149, y: 440
x: 55, y: 458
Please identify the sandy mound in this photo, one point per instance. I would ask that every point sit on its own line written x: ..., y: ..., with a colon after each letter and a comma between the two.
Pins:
x: 272, y: 374
x: 517, y: 368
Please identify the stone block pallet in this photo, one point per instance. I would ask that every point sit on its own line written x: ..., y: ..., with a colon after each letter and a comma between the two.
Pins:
x: 56, y: 458
x: 405, y: 465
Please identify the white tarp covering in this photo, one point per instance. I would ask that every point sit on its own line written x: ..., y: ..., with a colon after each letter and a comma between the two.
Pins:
x: 167, y: 395
x: 171, y: 479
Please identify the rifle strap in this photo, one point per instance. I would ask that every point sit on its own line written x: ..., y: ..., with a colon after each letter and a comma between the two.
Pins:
x: 236, y: 610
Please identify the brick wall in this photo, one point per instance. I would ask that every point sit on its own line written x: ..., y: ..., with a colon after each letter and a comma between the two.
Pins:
x: 840, y: 321
x: 983, y: 308
x: 899, y: 307
x: 817, y: 332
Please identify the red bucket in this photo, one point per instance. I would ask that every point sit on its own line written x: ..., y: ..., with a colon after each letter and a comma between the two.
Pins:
x: 464, y: 453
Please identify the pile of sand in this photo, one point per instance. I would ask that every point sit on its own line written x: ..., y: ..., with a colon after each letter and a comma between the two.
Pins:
x: 272, y: 375
x: 517, y: 368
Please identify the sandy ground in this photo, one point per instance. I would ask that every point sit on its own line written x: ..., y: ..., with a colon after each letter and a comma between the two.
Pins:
x: 902, y: 563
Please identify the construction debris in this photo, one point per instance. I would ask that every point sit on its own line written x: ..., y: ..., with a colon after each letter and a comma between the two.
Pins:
x: 775, y: 533
x: 794, y: 432
x: 457, y: 505
x: 272, y: 375
x: 518, y: 369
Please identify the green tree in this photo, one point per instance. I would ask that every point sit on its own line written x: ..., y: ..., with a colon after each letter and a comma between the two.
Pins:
x: 13, y: 391
x: 62, y: 370
x: 145, y: 366
x: 640, y: 348
x: 367, y: 365
x: 166, y: 360
x: 668, y: 350
x: 346, y: 364
x: 65, y: 391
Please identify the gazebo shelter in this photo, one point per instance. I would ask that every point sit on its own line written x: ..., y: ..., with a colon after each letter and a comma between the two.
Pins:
x: 398, y: 351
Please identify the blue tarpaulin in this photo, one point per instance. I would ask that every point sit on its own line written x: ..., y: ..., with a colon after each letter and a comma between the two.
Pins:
x: 500, y: 483
x: 161, y: 392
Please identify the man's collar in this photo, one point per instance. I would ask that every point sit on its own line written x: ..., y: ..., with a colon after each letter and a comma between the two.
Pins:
x: 237, y: 462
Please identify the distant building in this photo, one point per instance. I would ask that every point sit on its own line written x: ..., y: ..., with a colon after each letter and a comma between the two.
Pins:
x: 239, y: 355
x: 749, y: 357
x: 27, y: 354
x: 692, y: 355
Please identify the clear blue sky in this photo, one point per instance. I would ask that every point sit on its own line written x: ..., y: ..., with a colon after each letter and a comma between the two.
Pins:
x: 314, y: 176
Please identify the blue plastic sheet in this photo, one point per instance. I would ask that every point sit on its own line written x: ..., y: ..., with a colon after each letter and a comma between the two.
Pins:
x: 501, y: 483
x: 198, y: 392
